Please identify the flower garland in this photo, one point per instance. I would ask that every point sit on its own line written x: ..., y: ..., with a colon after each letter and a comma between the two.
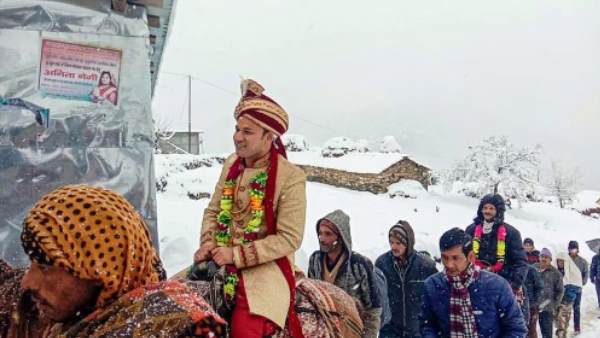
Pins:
x: 224, y: 234
x: 500, y: 248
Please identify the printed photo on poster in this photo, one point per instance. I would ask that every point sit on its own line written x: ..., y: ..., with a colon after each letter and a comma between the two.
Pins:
x: 80, y: 72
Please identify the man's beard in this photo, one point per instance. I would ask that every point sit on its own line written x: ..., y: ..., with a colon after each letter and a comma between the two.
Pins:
x: 328, y: 248
x: 488, y: 218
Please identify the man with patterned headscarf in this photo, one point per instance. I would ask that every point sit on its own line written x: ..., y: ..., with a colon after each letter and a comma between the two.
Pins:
x: 95, y: 273
x: 254, y: 222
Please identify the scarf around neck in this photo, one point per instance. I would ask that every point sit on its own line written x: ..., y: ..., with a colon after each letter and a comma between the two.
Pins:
x: 462, y: 319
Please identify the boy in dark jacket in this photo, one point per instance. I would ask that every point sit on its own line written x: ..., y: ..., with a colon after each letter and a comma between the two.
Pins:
x: 463, y: 301
x: 533, y: 255
x: 552, y: 293
x: 405, y: 271
x: 595, y: 274
x: 336, y: 263
x: 534, y: 285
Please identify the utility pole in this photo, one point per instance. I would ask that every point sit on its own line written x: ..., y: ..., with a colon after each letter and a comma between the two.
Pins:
x: 190, y: 114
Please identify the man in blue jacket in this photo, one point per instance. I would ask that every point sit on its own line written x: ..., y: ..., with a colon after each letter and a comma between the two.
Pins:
x: 463, y: 301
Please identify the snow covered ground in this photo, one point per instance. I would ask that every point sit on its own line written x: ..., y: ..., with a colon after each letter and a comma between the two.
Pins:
x: 180, y: 218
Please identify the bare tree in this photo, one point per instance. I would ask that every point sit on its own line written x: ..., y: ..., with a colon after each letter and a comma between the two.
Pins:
x: 564, y: 183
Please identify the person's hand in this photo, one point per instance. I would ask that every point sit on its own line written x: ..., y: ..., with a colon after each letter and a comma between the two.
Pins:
x: 519, y: 294
x: 204, y: 253
x: 222, y: 255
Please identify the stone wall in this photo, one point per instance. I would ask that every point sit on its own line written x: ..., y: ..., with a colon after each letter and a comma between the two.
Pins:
x: 375, y: 183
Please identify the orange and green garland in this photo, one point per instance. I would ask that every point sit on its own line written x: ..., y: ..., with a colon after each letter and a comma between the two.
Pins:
x: 224, y: 234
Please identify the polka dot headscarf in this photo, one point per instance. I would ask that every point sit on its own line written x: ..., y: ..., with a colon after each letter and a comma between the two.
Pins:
x: 93, y: 233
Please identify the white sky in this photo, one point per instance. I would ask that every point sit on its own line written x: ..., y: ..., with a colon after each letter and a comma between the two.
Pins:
x: 438, y: 75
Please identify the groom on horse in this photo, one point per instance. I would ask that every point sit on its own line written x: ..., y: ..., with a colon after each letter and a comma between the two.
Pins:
x: 255, y: 220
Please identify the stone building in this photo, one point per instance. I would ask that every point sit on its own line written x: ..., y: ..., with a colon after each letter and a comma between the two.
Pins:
x: 406, y: 169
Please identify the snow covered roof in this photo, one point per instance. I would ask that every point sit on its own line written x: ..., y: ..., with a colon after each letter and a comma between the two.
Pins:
x: 368, y: 163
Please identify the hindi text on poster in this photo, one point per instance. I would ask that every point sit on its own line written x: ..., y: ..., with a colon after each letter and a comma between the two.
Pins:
x: 80, y: 72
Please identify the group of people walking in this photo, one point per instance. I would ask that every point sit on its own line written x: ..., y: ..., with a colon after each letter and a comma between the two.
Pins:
x: 492, y: 283
x: 95, y: 273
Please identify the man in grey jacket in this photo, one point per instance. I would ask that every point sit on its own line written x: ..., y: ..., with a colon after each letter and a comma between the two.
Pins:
x: 551, y: 294
x: 336, y: 263
x: 583, y: 266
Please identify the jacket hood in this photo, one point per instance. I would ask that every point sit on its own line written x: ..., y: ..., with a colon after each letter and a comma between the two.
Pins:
x: 342, y: 221
x: 495, y: 200
x: 572, y: 273
x: 406, y: 231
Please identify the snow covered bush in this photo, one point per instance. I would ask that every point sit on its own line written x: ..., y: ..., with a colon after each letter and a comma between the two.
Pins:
x: 407, y: 189
x: 161, y: 184
x: 389, y: 145
x: 363, y: 145
x: 340, y: 146
x: 294, y: 143
x: 196, y: 163
x: 182, y: 175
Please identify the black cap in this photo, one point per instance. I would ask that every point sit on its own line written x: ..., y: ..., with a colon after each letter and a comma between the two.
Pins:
x: 528, y: 241
x: 573, y: 245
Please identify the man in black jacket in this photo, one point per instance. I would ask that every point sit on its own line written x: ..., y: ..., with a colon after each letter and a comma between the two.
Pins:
x: 595, y: 274
x: 534, y: 286
x: 405, y: 271
x: 488, y: 229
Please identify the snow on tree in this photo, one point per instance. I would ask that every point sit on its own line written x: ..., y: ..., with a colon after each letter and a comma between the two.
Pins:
x: 389, y: 145
x: 340, y: 146
x: 294, y: 143
x: 497, y: 166
x: 563, y: 183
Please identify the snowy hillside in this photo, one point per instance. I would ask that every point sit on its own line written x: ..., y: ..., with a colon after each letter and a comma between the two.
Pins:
x: 371, y: 215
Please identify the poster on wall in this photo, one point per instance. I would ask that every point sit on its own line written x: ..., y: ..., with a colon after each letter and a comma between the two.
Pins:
x: 80, y: 72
